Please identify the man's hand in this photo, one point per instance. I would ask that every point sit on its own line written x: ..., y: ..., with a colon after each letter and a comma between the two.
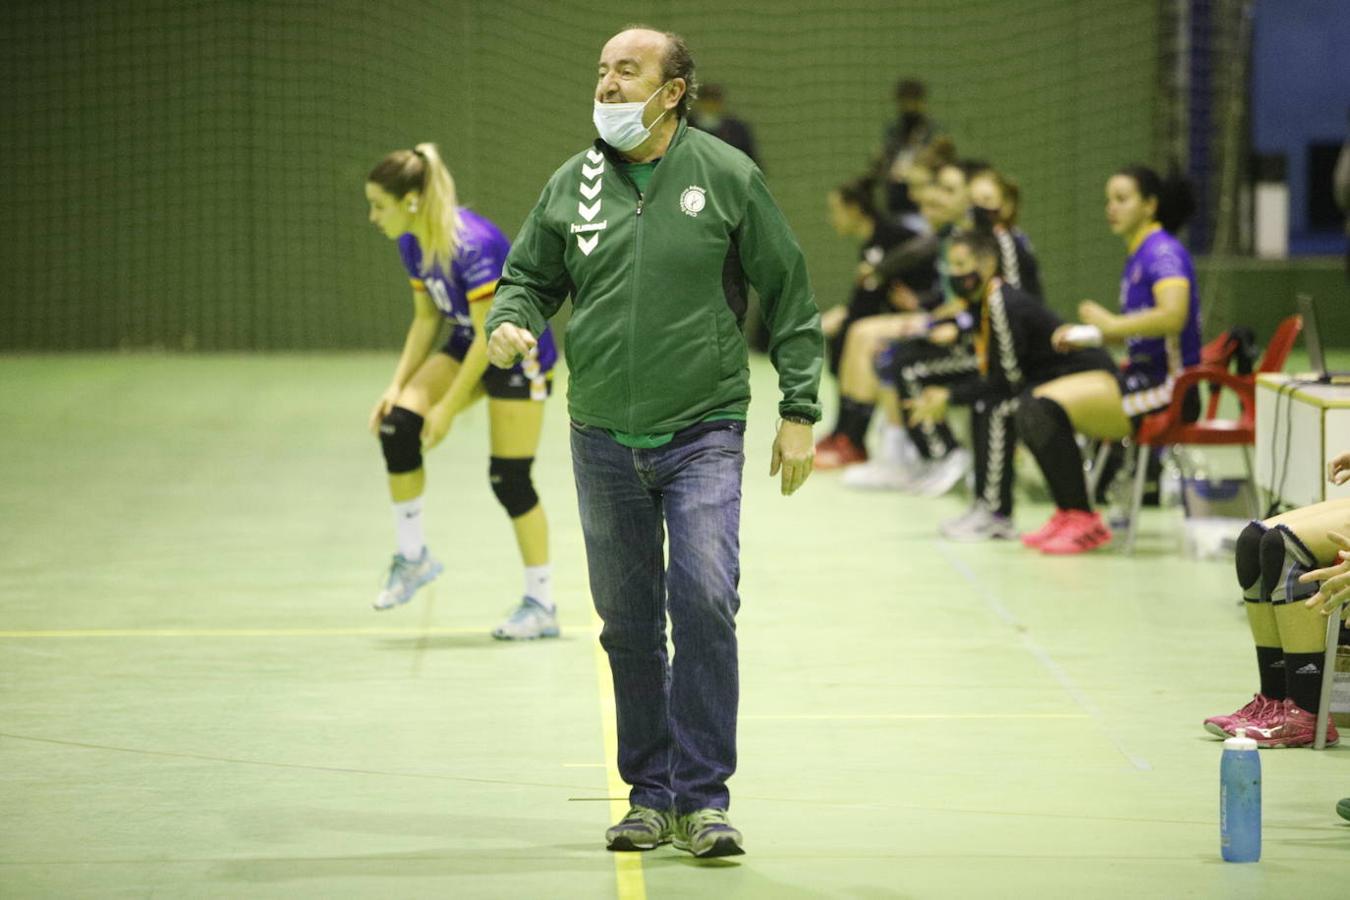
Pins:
x: 794, y: 453
x: 1338, y: 470
x: 509, y: 343
x: 930, y: 407
x: 1335, y: 579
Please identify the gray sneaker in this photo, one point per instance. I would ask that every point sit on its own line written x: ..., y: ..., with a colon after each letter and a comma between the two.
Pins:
x: 530, y: 621
x: 979, y: 524
x: 642, y: 828
x: 405, y: 577
x: 946, y: 526
x: 707, y: 833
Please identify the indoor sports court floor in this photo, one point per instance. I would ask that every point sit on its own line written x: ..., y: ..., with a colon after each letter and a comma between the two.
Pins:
x: 197, y: 700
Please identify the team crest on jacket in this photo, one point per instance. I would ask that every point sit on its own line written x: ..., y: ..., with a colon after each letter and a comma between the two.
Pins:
x: 693, y: 200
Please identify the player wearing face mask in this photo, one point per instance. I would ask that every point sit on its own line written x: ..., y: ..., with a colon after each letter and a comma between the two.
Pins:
x: 1011, y: 332
x: 994, y: 200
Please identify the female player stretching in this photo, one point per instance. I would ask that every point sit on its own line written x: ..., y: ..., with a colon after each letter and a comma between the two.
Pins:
x: 454, y: 257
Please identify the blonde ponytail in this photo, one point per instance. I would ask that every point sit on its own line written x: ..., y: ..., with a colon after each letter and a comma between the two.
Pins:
x: 439, y: 210
x: 437, y: 215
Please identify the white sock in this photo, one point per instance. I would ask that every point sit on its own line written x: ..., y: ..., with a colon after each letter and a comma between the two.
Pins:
x: 539, y: 585
x: 894, y: 443
x: 408, y: 528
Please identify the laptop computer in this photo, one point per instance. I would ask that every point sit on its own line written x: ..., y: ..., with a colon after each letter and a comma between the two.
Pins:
x: 1312, y: 339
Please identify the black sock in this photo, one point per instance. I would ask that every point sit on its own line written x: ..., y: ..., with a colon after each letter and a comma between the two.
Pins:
x: 920, y: 440
x: 1045, y: 428
x: 944, y: 442
x: 1270, y: 660
x: 1303, y: 679
x: 854, y: 417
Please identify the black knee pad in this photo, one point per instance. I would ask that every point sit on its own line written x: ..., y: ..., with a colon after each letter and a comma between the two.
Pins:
x: 511, y: 483
x: 1283, y: 559
x: 1247, y: 554
x: 1040, y: 420
x: 401, y: 439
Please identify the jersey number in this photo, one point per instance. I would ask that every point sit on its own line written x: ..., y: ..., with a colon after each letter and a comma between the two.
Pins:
x: 440, y: 296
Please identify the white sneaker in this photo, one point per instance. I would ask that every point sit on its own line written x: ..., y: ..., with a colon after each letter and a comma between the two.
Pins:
x: 979, y: 524
x: 879, y: 475
x: 945, y: 474
x: 405, y: 577
x: 531, y: 620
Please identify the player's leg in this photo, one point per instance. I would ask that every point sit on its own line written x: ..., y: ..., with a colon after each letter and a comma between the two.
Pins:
x: 401, y: 441
x: 1295, y: 544
x: 515, y: 422
x: 1269, y: 700
x: 1048, y: 420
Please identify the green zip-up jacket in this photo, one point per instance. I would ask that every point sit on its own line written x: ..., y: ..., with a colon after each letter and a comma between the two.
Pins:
x: 658, y: 287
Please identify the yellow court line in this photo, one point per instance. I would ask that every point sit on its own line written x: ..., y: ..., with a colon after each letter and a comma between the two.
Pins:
x: 240, y: 632
x: 827, y: 717
x: 627, y: 866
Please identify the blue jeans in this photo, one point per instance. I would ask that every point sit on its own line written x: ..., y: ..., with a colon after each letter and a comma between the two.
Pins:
x: 676, y: 724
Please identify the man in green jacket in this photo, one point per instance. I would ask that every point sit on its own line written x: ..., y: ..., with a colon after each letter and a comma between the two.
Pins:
x: 654, y: 232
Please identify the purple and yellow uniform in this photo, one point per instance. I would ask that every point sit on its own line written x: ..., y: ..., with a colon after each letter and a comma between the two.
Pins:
x: 1155, y: 362
x: 480, y: 250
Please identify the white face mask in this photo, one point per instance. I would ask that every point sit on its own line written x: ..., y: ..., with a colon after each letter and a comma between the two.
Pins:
x: 620, y: 124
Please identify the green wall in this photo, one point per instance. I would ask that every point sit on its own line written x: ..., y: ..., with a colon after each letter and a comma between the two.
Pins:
x: 188, y: 174
x: 1259, y: 293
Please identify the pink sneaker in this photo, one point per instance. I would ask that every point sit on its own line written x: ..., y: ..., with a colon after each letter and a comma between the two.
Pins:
x: 1046, y: 531
x: 1253, y: 714
x: 1291, y: 726
x: 1081, y: 532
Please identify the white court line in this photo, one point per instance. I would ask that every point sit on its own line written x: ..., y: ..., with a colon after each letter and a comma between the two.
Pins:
x: 1044, y: 658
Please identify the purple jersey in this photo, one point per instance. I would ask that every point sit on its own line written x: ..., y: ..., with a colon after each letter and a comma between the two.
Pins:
x: 474, y: 272
x: 1160, y: 257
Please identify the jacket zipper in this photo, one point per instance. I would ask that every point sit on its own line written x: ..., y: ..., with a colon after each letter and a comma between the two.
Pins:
x: 634, y: 281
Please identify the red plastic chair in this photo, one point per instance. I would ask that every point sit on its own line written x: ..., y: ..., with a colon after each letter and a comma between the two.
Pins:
x: 1167, y: 427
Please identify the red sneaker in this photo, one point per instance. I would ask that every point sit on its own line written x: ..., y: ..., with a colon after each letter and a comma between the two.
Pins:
x: 1291, y: 726
x: 843, y: 452
x: 1082, y: 531
x: 1046, y: 531
x: 1255, y: 713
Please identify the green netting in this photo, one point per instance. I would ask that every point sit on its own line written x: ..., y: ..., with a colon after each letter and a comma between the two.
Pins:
x: 188, y: 174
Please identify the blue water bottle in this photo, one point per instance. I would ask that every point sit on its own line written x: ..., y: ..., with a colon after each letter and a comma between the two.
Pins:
x: 1240, y: 799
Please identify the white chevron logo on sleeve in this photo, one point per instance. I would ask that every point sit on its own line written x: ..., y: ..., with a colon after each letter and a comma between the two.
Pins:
x: 595, y: 155
x: 589, y: 191
x: 586, y: 245
x: 588, y: 172
x: 588, y: 212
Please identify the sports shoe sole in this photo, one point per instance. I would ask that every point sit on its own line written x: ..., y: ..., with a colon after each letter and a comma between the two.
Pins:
x: 723, y: 846
x: 1294, y: 745
x: 1055, y: 549
x: 628, y: 845
x: 1216, y: 730
x: 546, y: 633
